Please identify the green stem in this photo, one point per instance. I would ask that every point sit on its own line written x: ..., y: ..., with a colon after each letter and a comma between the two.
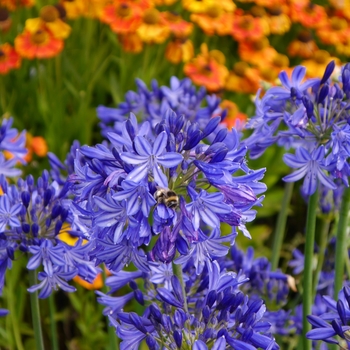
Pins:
x: 281, y: 225
x: 113, y: 340
x: 177, y: 270
x: 34, y: 303
x: 341, y: 245
x: 322, y: 249
x: 52, y: 309
x: 309, y: 253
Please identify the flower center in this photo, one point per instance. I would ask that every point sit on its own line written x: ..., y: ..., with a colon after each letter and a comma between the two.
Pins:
x: 281, y: 60
x: 218, y: 56
x: 213, y: 10
x: 4, y: 14
x: 2, y: 56
x: 338, y: 23
x: 240, y: 68
x: 257, y: 11
x: 49, y: 13
x: 246, y: 23
x: 275, y: 11
x: 268, y: 74
x: 321, y: 56
x: 39, y: 37
x: 123, y: 10
x: 151, y: 16
x: 261, y: 44
x: 173, y: 16
x: 305, y: 36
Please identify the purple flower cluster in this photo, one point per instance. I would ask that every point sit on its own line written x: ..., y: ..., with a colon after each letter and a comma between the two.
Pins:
x: 210, y: 313
x: 13, y: 142
x: 334, y: 321
x: 123, y: 185
x: 311, y: 117
x: 32, y: 217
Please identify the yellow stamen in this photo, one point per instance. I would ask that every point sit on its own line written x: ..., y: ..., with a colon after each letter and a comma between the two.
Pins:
x: 240, y: 68
x: 39, y: 37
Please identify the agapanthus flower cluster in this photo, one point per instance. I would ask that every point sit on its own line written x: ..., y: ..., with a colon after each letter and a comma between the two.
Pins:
x: 152, y: 180
x: 12, y: 144
x: 310, y: 116
x: 210, y: 312
x: 33, y: 215
x: 334, y: 321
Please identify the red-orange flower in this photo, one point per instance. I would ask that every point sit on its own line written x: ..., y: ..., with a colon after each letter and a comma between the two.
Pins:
x: 214, y: 20
x: 253, y: 51
x: 122, y: 17
x: 234, y: 118
x: 247, y: 27
x: 177, y: 25
x: 243, y: 79
x: 304, y: 46
x: 206, y: 70
x: 310, y: 15
x: 179, y: 50
x: 41, y: 44
x: 335, y: 30
x: 9, y: 58
x: 154, y: 28
x: 131, y: 42
x: 12, y: 5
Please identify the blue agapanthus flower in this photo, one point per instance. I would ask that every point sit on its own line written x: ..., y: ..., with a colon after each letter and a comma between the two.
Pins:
x: 310, y: 117
x: 167, y: 179
x: 33, y: 215
x: 212, y: 314
x: 334, y: 322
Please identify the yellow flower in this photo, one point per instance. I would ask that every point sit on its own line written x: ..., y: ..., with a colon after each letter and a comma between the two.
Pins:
x: 153, y: 28
x: 179, y: 50
x: 49, y: 18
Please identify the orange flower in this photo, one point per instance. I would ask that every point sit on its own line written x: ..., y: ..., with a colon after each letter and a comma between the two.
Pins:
x: 131, y: 42
x: 246, y: 27
x: 49, y: 19
x: 315, y: 66
x: 335, y: 30
x: 154, y: 28
x: 207, y: 70
x: 271, y: 3
x: 214, y: 21
x: 304, y: 46
x: 243, y: 79
x: 12, y: 5
x: 36, y: 145
x: 309, y: 15
x: 41, y: 44
x: 177, y: 25
x: 163, y: 2
x: 5, y: 20
x: 253, y: 51
x: 123, y: 18
x: 9, y: 58
x: 179, y: 50
x: 234, y: 118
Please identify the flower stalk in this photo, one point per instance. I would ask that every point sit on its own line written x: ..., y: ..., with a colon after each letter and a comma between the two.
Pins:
x: 34, y: 303
x: 281, y: 225
x: 341, y: 245
x: 309, y: 253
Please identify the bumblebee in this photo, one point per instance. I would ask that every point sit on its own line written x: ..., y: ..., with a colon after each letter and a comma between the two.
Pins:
x: 167, y: 197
